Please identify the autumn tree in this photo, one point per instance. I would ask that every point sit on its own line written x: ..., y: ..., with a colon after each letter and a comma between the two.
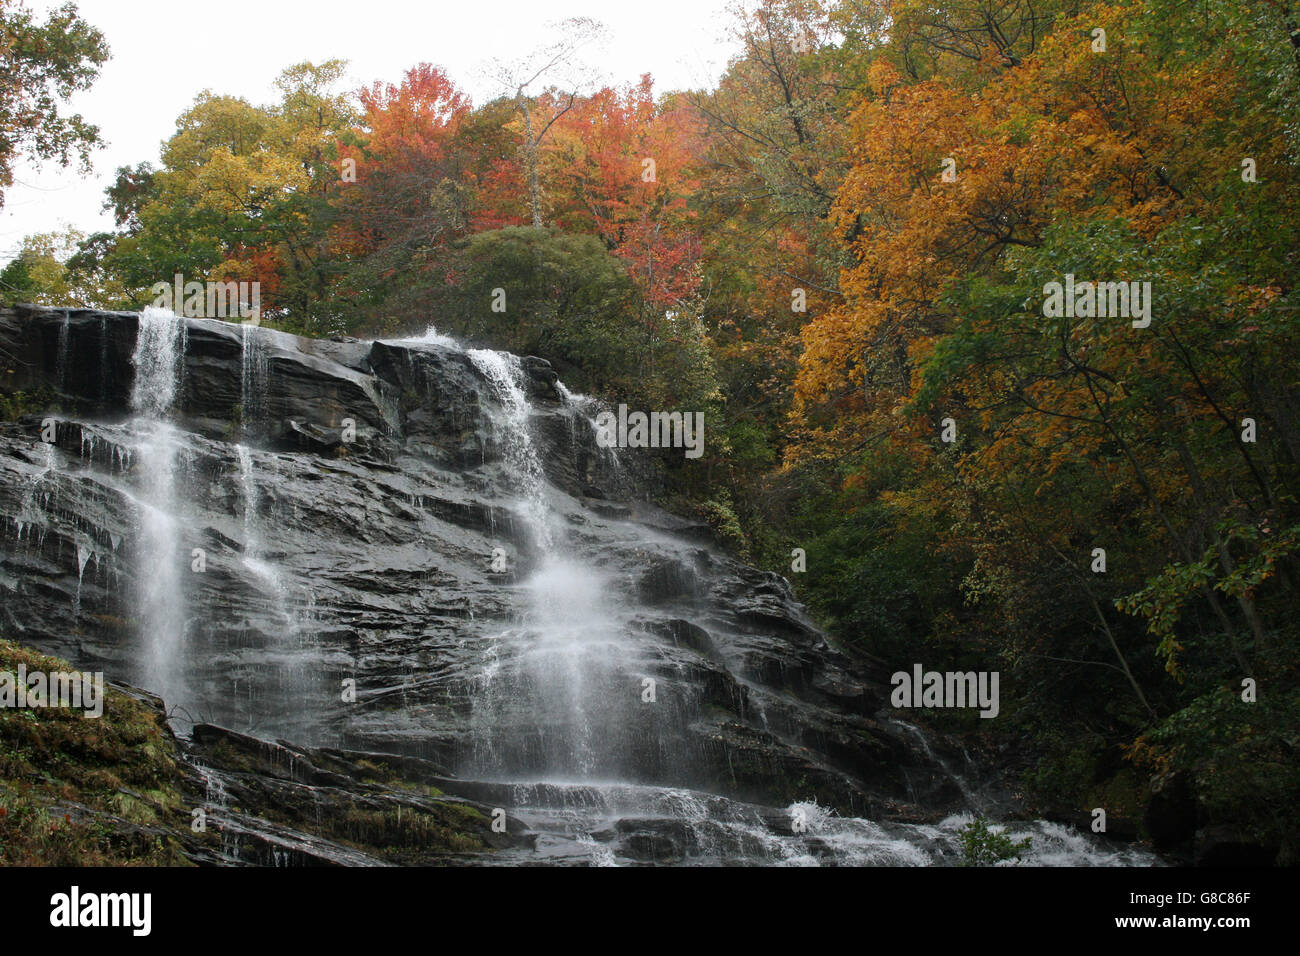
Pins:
x: 557, y: 67
x: 243, y: 194
x: 402, y: 193
x: 1116, y: 494
x: 625, y: 168
x: 772, y: 155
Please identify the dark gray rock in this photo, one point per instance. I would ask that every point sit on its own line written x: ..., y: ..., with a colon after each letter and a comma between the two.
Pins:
x: 1227, y: 847
x: 1171, y: 812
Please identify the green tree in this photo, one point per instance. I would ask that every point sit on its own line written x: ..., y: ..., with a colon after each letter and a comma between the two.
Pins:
x: 41, y: 65
x: 243, y: 193
x: 39, y: 273
x: 568, y: 298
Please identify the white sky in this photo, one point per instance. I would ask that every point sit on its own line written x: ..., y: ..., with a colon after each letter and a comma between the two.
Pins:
x: 164, y: 53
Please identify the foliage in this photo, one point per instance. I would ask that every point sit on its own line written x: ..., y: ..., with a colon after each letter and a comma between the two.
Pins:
x: 41, y: 66
x: 14, y: 405
x: 55, y: 762
x: 568, y: 298
x: 41, y: 272
x: 982, y: 845
x: 1074, y: 433
x: 1240, y: 758
x: 838, y: 250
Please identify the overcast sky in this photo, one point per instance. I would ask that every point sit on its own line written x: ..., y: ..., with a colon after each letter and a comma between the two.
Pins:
x: 166, y: 51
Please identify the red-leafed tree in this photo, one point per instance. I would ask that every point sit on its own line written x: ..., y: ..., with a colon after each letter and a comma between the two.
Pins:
x: 493, y: 171
x: 402, y: 192
x: 624, y: 167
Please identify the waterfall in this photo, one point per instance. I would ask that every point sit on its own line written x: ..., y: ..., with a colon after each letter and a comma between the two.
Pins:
x: 266, y: 571
x: 504, y: 373
x: 561, y: 678
x: 84, y: 554
x: 973, y: 797
x: 623, y: 689
x: 159, y: 350
x: 585, y: 409
x: 161, y: 565
x: 253, y: 369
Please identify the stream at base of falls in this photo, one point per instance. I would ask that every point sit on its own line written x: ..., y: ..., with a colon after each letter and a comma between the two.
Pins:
x: 614, y: 824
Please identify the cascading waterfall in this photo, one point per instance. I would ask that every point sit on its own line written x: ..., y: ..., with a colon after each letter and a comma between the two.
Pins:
x: 564, y: 676
x: 971, y: 795
x: 558, y: 700
x: 31, y: 515
x: 504, y: 373
x: 563, y: 668
x: 254, y: 367
x: 84, y: 554
x: 159, y: 351
x: 291, y: 653
x: 585, y: 410
x: 266, y: 571
x: 524, y: 686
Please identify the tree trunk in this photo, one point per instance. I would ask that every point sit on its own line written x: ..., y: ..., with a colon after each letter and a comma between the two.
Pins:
x: 530, y: 159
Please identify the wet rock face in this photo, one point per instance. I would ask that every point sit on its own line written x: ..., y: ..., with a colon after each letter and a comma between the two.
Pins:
x: 276, y: 804
x: 355, y: 563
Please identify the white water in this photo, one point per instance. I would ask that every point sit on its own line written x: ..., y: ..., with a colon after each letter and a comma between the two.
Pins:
x: 162, y: 565
x: 265, y: 571
x: 577, y: 822
x: 254, y: 368
x: 505, y: 374
x: 560, y: 673
x: 431, y: 336
x: 565, y: 662
x: 503, y: 370
x: 973, y: 797
x: 281, y: 613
